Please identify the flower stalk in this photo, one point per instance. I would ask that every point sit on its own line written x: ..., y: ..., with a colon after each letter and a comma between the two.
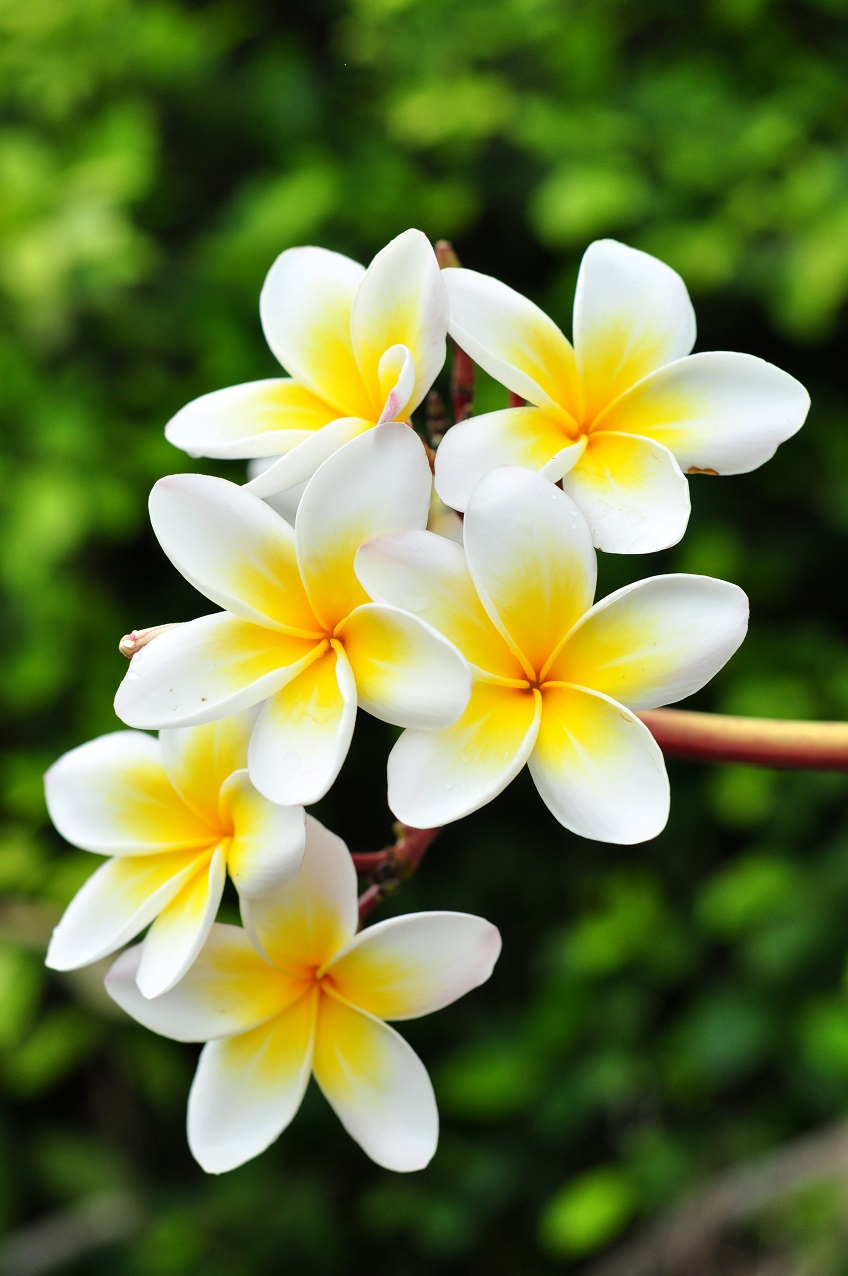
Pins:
x: 771, y: 742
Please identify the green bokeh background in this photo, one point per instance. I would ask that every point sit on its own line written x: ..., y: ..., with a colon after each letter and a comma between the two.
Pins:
x: 660, y: 1012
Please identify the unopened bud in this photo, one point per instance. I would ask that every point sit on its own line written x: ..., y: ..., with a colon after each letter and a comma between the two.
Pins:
x: 445, y: 254
x: 133, y: 642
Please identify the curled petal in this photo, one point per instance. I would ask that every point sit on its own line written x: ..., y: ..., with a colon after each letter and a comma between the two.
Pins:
x: 206, y: 669
x: 405, y: 672
x: 439, y: 776
x: 527, y: 437
x: 181, y: 929
x: 377, y: 1086
x: 260, y: 418
x: 267, y: 840
x: 598, y: 769
x: 632, y: 493
x: 655, y: 642
x: 512, y: 339
x: 717, y: 411
x: 305, y: 307
x: 632, y: 314
x: 397, y: 382
x: 234, y: 548
x: 248, y: 1088
x: 410, y: 966
x: 229, y: 989
x: 113, y: 796
x: 304, y: 732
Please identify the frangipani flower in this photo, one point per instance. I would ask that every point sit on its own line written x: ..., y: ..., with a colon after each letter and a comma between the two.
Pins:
x: 299, y: 631
x: 616, y: 416
x: 363, y: 347
x: 175, y: 814
x: 306, y: 994
x: 556, y: 679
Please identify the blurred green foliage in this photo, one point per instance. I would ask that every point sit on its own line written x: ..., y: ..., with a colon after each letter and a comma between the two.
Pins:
x: 660, y: 1012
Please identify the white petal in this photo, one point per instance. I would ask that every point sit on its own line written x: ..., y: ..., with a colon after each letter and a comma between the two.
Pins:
x: 199, y: 759
x: 632, y: 492
x: 118, y: 900
x: 113, y: 796
x: 260, y: 418
x: 405, y: 672
x: 397, y: 380
x: 305, y: 922
x: 304, y: 732
x: 402, y: 300
x: 267, y: 840
x: 379, y: 482
x: 301, y: 462
x: 439, y: 776
x: 285, y: 503
x: 530, y: 555
x: 248, y: 1088
x: 305, y: 306
x: 512, y: 339
x: 410, y: 966
x: 229, y: 989
x: 377, y: 1086
x: 208, y: 668
x: 181, y: 929
x: 716, y: 411
x: 234, y: 548
x: 632, y: 314
x: 516, y: 436
x: 598, y: 769
x: 656, y: 641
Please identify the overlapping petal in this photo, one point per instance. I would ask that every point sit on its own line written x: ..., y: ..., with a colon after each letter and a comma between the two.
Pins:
x: 114, y: 796
x: 656, y: 641
x: 259, y: 418
x: 305, y: 306
x: 410, y: 966
x: 302, y: 460
x: 527, y: 437
x: 717, y: 411
x: 402, y: 300
x: 182, y: 928
x: 439, y: 776
x: 247, y: 1088
x: 377, y: 1086
x: 229, y: 989
x: 530, y: 555
x: 378, y: 482
x: 598, y: 769
x: 267, y: 840
x: 207, y: 668
x: 632, y: 315
x: 303, y: 925
x: 234, y: 548
x: 513, y: 340
x: 405, y: 672
x: 427, y: 575
x: 199, y: 759
x: 303, y: 732
x: 632, y: 492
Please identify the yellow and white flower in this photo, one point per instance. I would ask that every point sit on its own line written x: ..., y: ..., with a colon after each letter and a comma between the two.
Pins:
x: 299, y: 632
x: 362, y: 347
x: 174, y: 815
x: 556, y: 679
x: 617, y: 415
x: 306, y: 995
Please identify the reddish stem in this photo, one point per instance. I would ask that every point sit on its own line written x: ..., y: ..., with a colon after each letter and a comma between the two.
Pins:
x: 772, y: 742
x: 462, y: 367
x: 392, y: 865
x: 514, y: 400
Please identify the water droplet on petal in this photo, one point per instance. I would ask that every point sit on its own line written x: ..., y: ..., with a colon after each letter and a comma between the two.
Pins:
x: 131, y: 677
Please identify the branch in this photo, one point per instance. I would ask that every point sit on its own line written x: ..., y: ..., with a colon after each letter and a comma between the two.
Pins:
x: 773, y: 742
x: 393, y: 865
x: 462, y: 367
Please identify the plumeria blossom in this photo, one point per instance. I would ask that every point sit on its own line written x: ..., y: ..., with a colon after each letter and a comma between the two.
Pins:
x: 362, y: 347
x: 556, y: 679
x: 298, y: 632
x: 300, y: 992
x: 174, y: 815
x: 620, y: 414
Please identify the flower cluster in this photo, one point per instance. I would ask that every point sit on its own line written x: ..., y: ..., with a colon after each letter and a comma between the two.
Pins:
x: 339, y: 588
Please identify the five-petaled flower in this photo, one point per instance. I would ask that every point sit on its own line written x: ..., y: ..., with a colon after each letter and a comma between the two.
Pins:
x: 175, y: 814
x: 363, y: 346
x: 309, y: 995
x: 298, y: 632
x: 617, y: 415
x: 556, y: 679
